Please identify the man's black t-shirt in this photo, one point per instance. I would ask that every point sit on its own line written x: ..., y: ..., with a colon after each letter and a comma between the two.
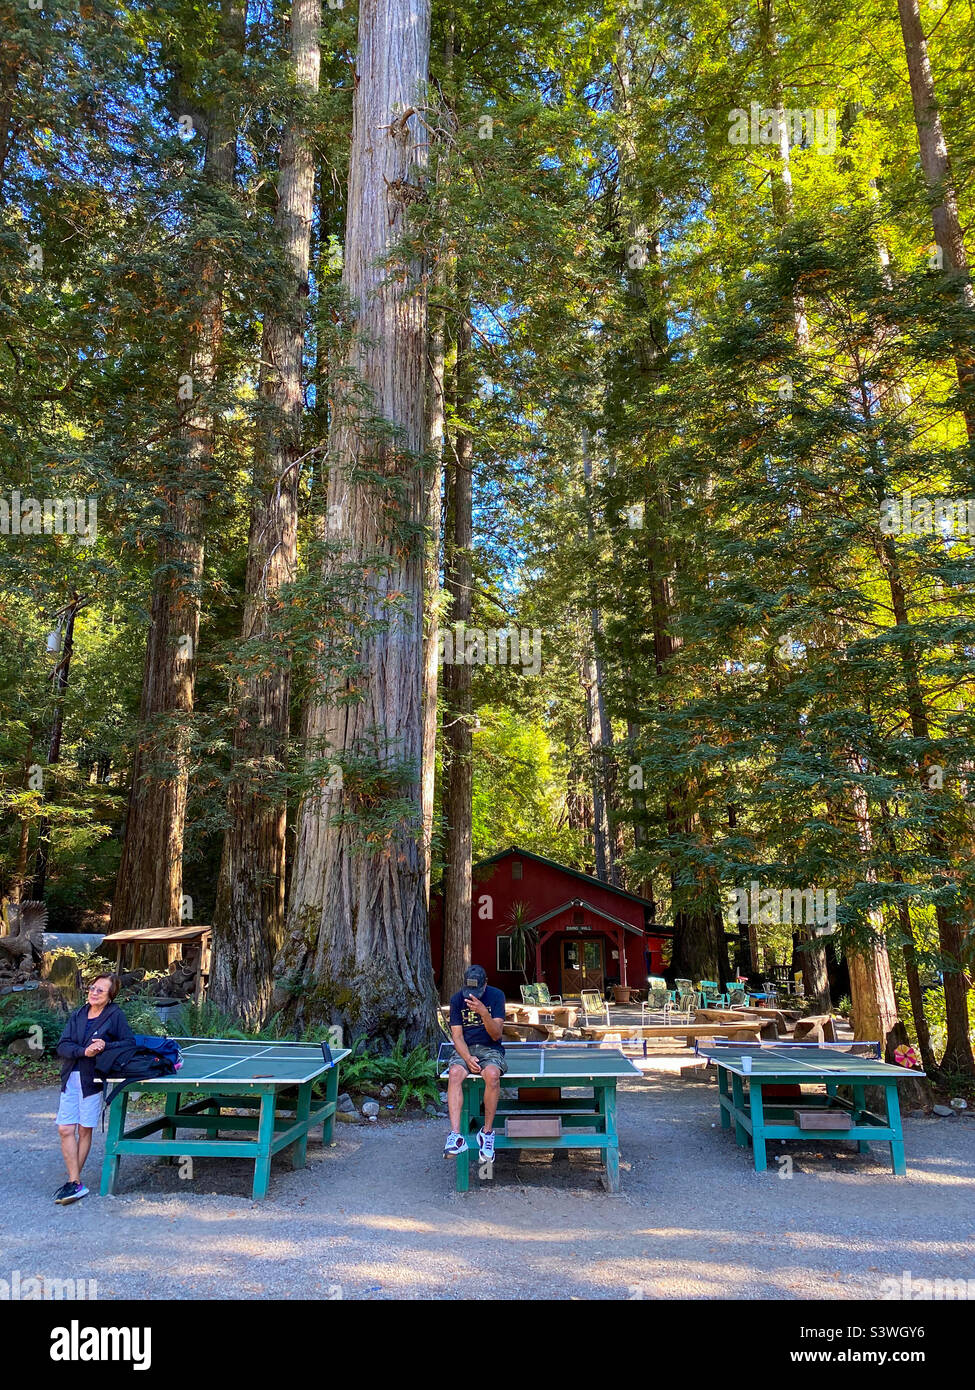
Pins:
x: 462, y: 1015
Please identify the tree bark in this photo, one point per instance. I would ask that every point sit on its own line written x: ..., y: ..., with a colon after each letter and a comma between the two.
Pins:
x: 936, y: 166
x: 958, y: 1056
x: 357, y: 950
x: 59, y: 678
x: 598, y: 724
x: 248, y: 919
x: 815, y: 976
x: 458, y: 706
x: 871, y: 983
x: 149, y: 887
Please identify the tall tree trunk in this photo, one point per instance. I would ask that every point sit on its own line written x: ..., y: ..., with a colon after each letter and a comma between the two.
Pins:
x: 357, y: 950
x: 815, y: 975
x: 431, y: 586
x: 435, y: 431
x: 149, y: 887
x: 958, y: 1056
x: 59, y: 679
x: 248, y: 920
x: 599, y: 725
x: 936, y: 165
x: 458, y: 706
x: 19, y: 878
x: 871, y: 983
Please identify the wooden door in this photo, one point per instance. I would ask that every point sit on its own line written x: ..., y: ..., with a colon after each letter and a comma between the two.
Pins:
x: 583, y: 964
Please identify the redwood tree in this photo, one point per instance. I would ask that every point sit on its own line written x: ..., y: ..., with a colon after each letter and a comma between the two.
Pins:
x: 357, y: 949
x: 248, y: 920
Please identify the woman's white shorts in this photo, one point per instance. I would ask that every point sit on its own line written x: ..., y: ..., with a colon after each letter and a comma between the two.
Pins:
x: 76, y: 1109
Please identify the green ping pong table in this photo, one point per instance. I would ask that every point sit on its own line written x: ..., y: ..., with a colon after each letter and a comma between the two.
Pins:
x: 275, y: 1079
x: 746, y: 1073
x: 561, y: 1067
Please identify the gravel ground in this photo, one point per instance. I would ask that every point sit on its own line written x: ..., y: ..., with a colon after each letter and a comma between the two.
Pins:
x: 376, y: 1216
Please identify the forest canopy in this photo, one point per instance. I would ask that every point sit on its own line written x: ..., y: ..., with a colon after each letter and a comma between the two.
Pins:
x: 427, y: 431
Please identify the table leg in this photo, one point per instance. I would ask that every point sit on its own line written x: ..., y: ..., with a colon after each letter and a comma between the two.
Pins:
x: 723, y: 1093
x: 331, y: 1095
x: 463, y: 1159
x: 300, y: 1147
x: 894, y: 1123
x: 758, y: 1124
x: 265, y: 1134
x: 116, y: 1128
x: 859, y: 1105
x: 169, y: 1131
x: 738, y: 1098
x: 612, y: 1178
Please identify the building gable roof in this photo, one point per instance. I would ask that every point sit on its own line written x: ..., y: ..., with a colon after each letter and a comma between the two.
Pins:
x: 562, y: 868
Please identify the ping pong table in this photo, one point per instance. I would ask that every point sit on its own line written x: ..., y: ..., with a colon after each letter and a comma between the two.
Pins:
x: 748, y: 1074
x: 275, y: 1079
x: 539, y: 1067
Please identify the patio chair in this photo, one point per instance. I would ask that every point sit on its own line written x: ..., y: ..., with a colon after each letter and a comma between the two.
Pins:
x: 771, y: 994
x: 529, y: 994
x: 659, y: 999
x: 593, y: 1004
x: 737, y: 996
x: 686, y: 1001
x: 545, y: 997
x: 711, y: 995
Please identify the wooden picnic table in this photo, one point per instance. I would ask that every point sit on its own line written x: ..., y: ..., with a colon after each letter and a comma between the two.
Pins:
x: 743, y: 1031
x: 560, y: 1015
x: 776, y: 1016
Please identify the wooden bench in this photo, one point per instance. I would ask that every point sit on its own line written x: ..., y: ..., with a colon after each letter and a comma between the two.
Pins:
x: 820, y: 1028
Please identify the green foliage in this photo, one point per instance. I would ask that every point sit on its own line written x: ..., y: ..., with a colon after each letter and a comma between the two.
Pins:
x: 18, y: 1023
x: 192, y: 1020
x: 413, y: 1072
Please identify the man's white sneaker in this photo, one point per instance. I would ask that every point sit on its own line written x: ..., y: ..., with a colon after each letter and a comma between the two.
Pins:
x: 456, y: 1144
x: 485, y: 1142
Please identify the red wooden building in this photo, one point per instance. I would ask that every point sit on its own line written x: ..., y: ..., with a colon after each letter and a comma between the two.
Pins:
x: 587, y: 934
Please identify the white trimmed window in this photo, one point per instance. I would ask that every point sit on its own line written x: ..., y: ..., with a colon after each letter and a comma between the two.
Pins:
x: 510, y: 958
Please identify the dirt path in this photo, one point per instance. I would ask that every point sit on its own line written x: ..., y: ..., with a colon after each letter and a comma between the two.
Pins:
x: 376, y: 1216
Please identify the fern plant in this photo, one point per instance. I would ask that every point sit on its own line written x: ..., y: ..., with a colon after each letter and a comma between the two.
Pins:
x: 414, y: 1073
x: 192, y: 1020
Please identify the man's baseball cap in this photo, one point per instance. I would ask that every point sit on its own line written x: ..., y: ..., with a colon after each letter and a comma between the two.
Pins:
x: 475, y: 980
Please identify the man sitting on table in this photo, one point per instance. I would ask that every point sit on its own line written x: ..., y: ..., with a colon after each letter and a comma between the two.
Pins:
x: 476, y: 1026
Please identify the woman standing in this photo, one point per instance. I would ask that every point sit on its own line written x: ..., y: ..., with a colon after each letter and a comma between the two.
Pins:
x: 86, y: 1033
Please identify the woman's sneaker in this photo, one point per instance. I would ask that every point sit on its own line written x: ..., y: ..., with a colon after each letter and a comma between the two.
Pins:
x: 71, y: 1192
x: 456, y: 1144
x: 485, y: 1142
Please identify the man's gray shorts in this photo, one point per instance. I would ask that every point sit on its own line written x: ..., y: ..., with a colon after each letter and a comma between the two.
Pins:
x: 487, y: 1056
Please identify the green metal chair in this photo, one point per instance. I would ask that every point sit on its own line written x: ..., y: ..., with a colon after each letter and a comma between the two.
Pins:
x: 711, y: 995
x: 545, y: 997
x: 529, y: 994
x: 737, y: 996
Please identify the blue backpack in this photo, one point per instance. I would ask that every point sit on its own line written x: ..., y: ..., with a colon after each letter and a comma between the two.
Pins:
x: 137, y: 1059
